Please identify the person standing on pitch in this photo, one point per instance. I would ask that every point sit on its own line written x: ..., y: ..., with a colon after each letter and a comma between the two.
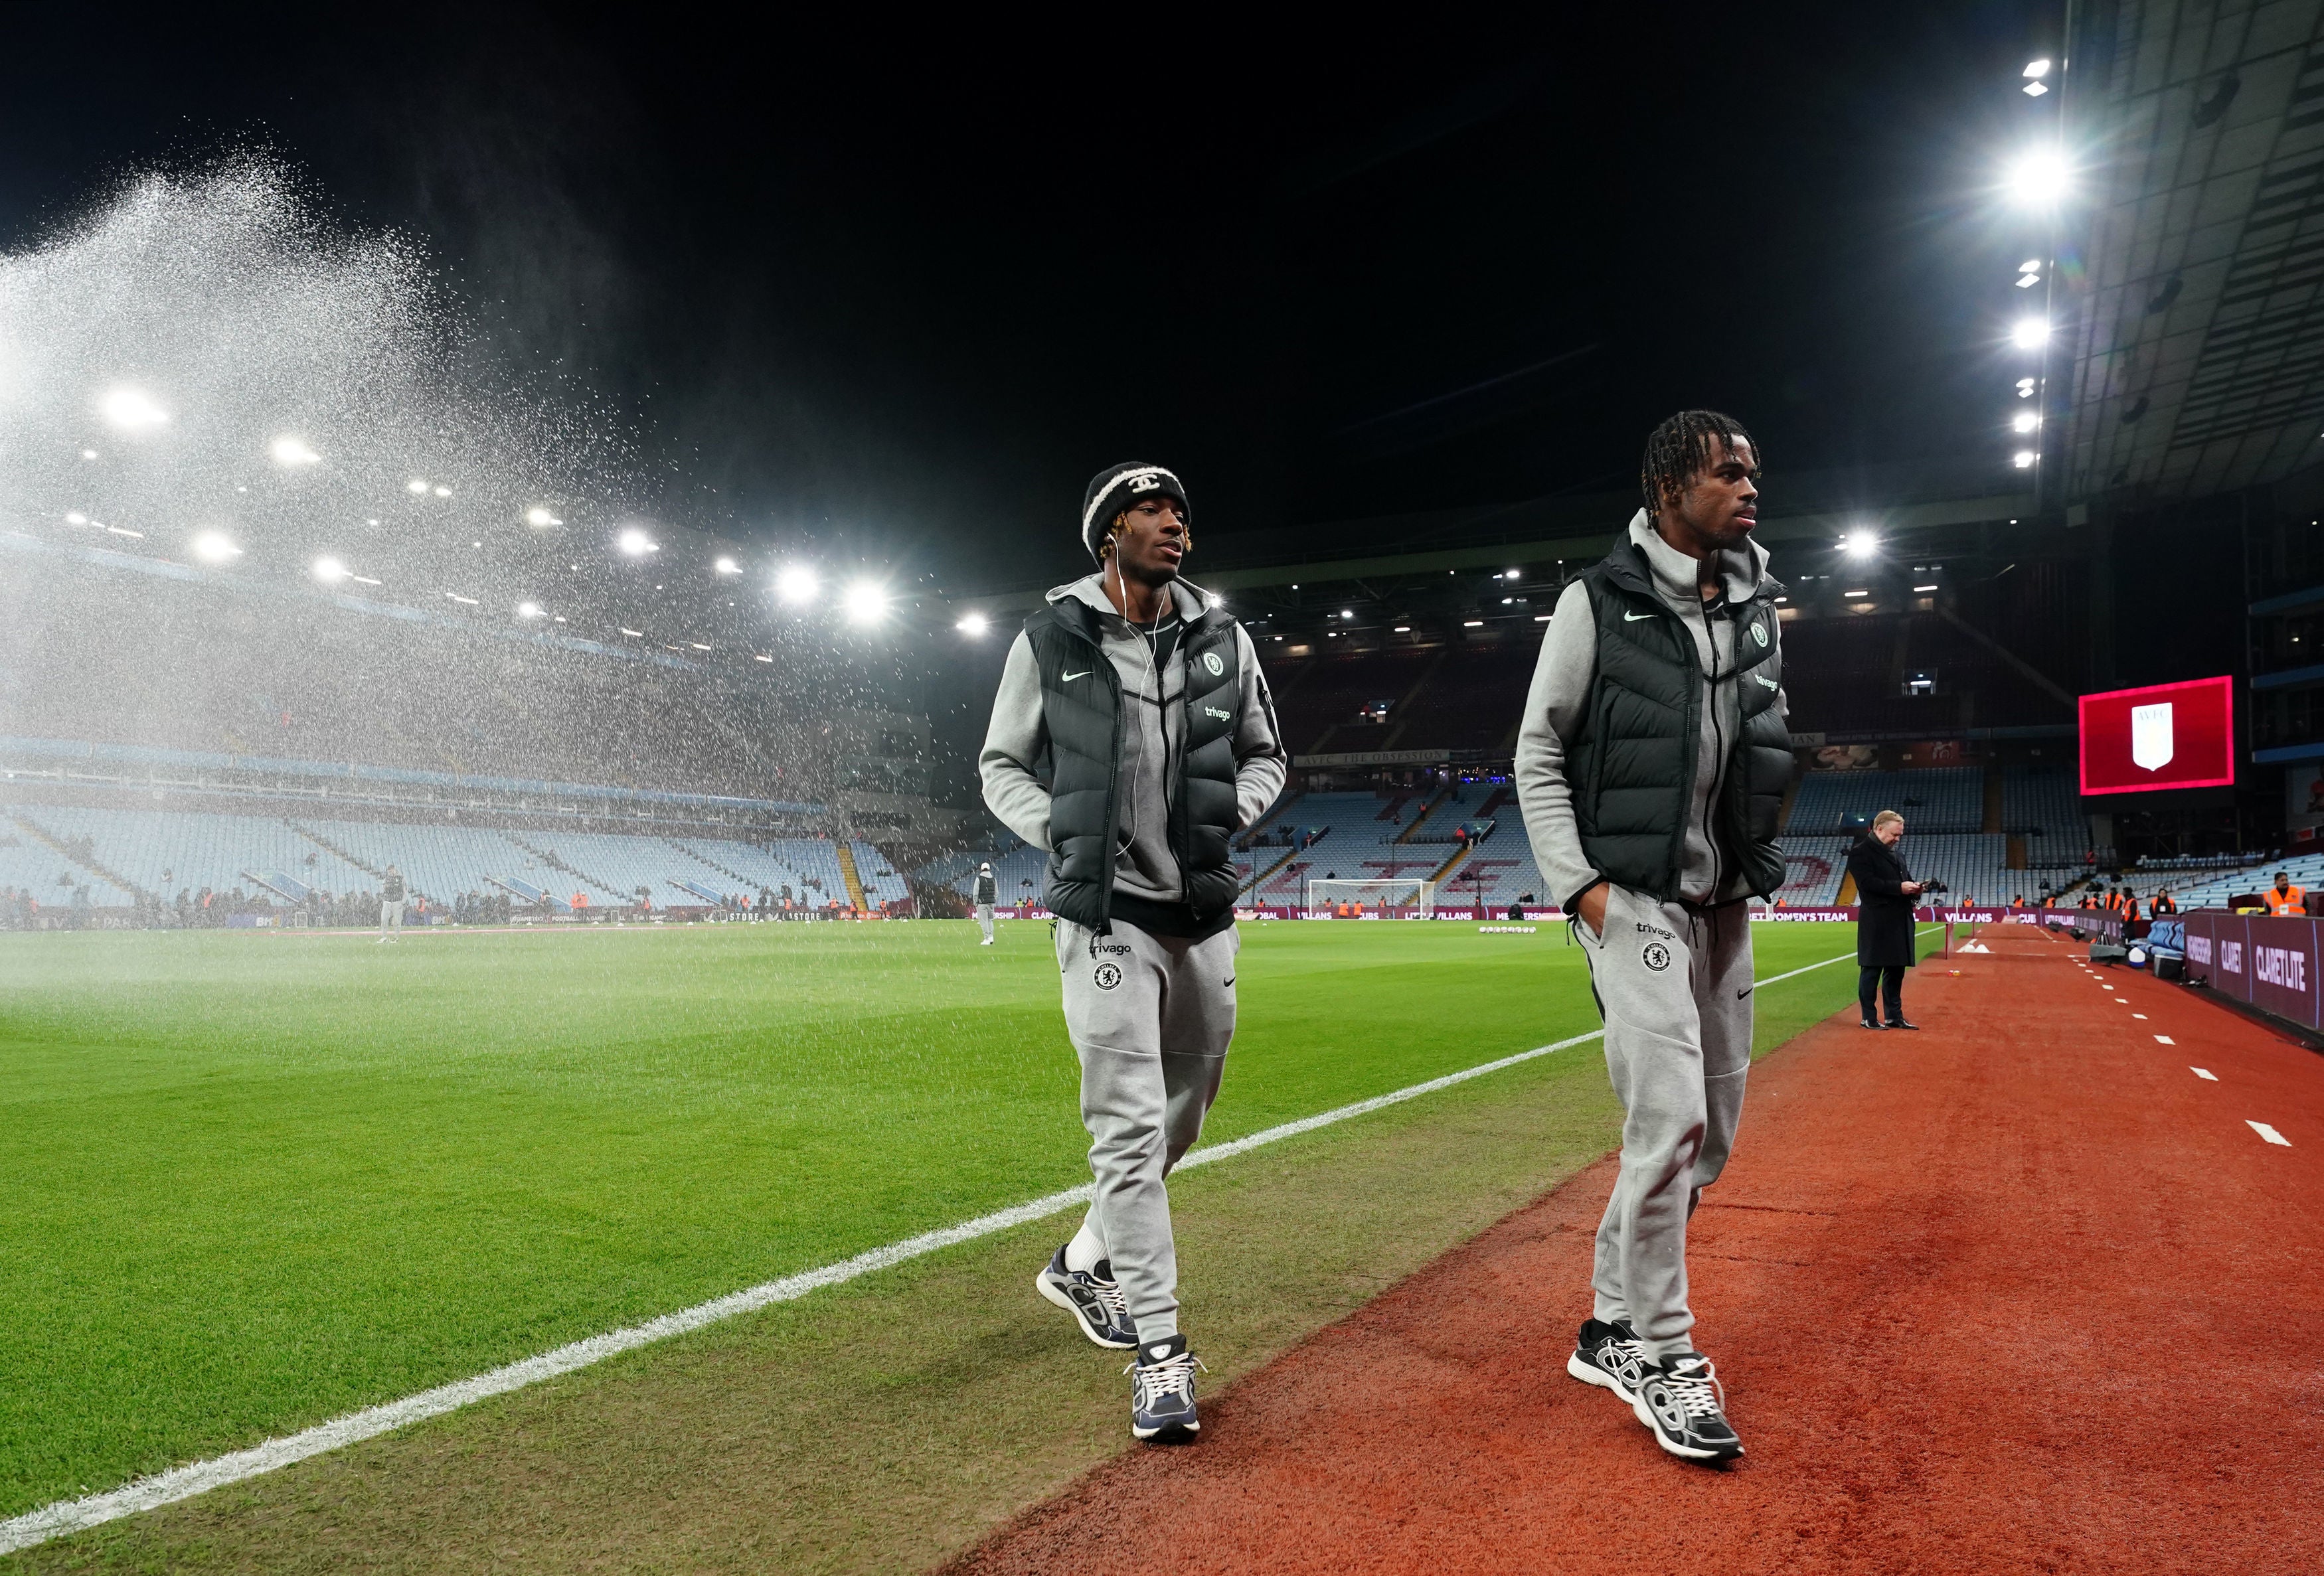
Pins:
x: 1884, y: 890
x: 1132, y: 738
x: 985, y: 894
x: 390, y: 905
x: 1651, y: 765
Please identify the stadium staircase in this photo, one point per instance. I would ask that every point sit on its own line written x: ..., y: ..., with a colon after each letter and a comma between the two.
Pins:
x: 553, y: 862
x: 1445, y: 869
x: 1412, y: 833
x: 86, y: 862
x: 321, y: 842
x: 855, y: 883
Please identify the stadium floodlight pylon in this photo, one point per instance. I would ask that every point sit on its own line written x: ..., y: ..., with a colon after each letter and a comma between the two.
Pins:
x: 1408, y: 898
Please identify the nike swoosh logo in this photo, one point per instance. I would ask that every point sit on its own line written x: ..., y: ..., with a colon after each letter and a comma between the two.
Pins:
x: 1631, y: 618
x: 1084, y: 673
x: 1743, y: 993
x: 1229, y: 979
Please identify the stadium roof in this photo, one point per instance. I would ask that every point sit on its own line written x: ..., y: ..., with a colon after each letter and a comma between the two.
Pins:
x: 2197, y: 365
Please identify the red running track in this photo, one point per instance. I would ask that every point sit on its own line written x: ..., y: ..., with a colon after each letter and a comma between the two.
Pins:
x: 2018, y: 1293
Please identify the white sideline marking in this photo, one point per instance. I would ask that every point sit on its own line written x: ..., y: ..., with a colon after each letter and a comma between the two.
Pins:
x: 2269, y: 1133
x: 2205, y: 1073
x: 2124, y: 999
x: 2164, y: 1039
x: 2140, y: 1015
x: 68, y: 1515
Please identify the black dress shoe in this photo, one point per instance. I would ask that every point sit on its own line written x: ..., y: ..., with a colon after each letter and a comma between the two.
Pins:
x: 1900, y: 1023
x: 1874, y: 1023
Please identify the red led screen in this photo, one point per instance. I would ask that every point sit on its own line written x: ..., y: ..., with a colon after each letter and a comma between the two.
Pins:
x: 2163, y: 736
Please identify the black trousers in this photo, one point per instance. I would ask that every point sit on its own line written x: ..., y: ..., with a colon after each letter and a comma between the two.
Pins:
x: 1890, y: 982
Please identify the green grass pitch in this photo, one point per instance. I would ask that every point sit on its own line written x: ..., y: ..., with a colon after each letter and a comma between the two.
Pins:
x: 256, y: 1181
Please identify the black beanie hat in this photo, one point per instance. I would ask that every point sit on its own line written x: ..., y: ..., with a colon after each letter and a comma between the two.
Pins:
x: 1124, y: 486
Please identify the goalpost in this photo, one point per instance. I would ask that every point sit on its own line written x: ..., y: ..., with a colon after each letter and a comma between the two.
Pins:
x: 1406, y: 899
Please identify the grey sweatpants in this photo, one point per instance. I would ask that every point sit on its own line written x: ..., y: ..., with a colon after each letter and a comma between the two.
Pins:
x: 1150, y: 1018
x: 984, y: 919
x: 390, y: 919
x: 1675, y: 985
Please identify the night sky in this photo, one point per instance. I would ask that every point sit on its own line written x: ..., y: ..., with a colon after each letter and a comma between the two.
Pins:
x: 898, y: 291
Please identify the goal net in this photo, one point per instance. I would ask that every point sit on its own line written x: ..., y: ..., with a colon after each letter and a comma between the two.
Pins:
x: 1410, y: 898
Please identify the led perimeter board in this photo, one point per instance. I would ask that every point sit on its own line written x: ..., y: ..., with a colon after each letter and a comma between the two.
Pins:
x: 2162, y: 736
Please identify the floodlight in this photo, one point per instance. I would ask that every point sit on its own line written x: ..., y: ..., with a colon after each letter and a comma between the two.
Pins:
x: 1346, y: 613
x: 1924, y: 588
x: 797, y: 583
x: 288, y: 450
x: 2031, y: 266
x: 1472, y: 623
x: 76, y: 517
x: 89, y: 454
x: 728, y: 566
x: 638, y: 633
x: 330, y: 571
x: 528, y: 610
x: 973, y: 624
x: 2025, y: 422
x: 1510, y: 575
x: 2023, y: 459
x: 2028, y: 280
x: 2024, y: 388
x: 2038, y: 69
x: 636, y: 543
x: 864, y: 603
x: 441, y: 491
x: 2030, y: 332
x: 416, y: 487
x: 132, y: 409
x: 1217, y: 600
x: 1400, y: 629
x: 1862, y: 545
x: 214, y: 546
x: 2038, y: 178
x: 536, y: 515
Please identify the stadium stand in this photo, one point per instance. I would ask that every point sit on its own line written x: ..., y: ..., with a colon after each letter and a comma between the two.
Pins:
x: 2306, y: 870
x: 1812, y: 869
x: 2045, y: 807
x: 165, y: 851
x: 1931, y: 799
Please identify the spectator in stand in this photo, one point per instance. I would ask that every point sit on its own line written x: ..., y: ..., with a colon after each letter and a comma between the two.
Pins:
x: 1884, y: 890
x: 2283, y: 897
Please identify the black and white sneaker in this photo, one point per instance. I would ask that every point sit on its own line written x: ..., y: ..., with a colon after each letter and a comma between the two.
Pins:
x: 1610, y: 1357
x: 1095, y: 1299
x: 1162, y: 1392
x: 1682, y: 1401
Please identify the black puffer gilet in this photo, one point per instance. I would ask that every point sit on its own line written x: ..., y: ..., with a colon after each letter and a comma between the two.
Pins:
x: 1631, y: 762
x: 1084, y: 716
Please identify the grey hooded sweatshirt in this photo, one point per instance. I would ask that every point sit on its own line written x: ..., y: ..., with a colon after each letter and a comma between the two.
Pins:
x: 1146, y: 871
x: 1562, y: 678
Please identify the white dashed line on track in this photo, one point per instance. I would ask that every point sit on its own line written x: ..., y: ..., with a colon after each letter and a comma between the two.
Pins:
x: 2269, y: 1133
x: 2164, y: 1039
x: 2140, y: 1015
x: 2205, y: 1073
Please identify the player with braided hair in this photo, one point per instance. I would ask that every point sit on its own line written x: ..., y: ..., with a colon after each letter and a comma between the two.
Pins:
x: 1680, y: 450
x: 1651, y: 764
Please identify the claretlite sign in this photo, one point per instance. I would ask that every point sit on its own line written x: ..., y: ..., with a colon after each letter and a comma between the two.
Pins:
x: 2163, y: 736
x: 2268, y: 962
